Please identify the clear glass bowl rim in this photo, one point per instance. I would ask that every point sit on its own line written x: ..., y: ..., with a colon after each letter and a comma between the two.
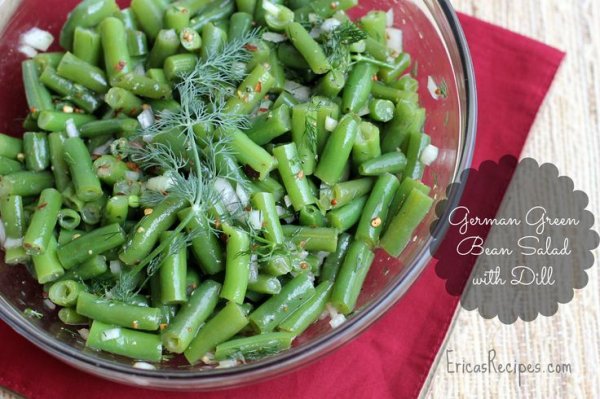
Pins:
x: 291, y: 360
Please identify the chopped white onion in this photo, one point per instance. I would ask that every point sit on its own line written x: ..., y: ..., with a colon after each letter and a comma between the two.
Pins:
x: 330, y: 24
x: 313, y: 18
x: 394, y: 40
x: 330, y: 124
x: 337, y: 321
x: 274, y: 37
x: 37, y: 38
x: 322, y: 255
x: 364, y: 111
x: 72, y: 130
x: 103, y: 149
x: 2, y: 233
x: 429, y: 155
x: 110, y: 334
x: 29, y: 51
x: 331, y: 310
x: 281, y: 211
x: 148, y: 138
x: 300, y: 93
x: 302, y: 255
x: 225, y: 364
x: 144, y: 366
x: 160, y: 184
x: 209, y: 358
x: 132, y: 175
x: 49, y: 304
x: 264, y: 107
x: 227, y: 194
x: 390, y: 18
x: 433, y: 88
x: 315, y: 32
x: 10, y: 242
x: 140, y: 70
x: 84, y: 333
x: 287, y: 201
x: 242, y: 195
x: 255, y: 219
x: 270, y: 8
x: 253, y: 275
x: 115, y: 266
x: 146, y: 118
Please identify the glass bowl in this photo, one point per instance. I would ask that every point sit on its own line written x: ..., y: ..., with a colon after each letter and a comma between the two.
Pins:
x: 434, y: 38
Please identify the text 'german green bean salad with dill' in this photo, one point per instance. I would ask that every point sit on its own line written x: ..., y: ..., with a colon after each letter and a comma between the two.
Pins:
x: 208, y: 178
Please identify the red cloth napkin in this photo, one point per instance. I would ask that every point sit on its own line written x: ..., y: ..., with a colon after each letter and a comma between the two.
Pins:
x: 392, y: 359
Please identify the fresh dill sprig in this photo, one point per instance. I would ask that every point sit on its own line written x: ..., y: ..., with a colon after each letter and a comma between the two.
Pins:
x: 336, y: 44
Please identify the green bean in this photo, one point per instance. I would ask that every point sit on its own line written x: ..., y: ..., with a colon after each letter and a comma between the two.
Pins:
x: 357, y: 90
x: 114, y: 44
x: 247, y: 6
x: 65, y: 292
x: 86, y: 182
x: 228, y: 322
x: 402, y: 226
x: 351, y: 276
x: 38, y: 97
x: 121, y: 341
x: 408, y: 119
x: 190, y: 39
x: 44, y: 60
x: 285, y: 98
x: 308, y: 47
x: 292, y: 176
x: 401, y: 64
x: 79, y: 95
x: 64, y: 236
x: 406, y: 83
x: 118, y: 313
x: 381, y: 110
x: 277, y: 71
x: 251, y: 91
x: 392, y: 162
x: 25, y: 183
x: 68, y: 219
x: 137, y: 44
x: 237, y: 267
x: 71, y: 318
x: 270, y: 125
x: 8, y: 166
x: 304, y: 126
x: 345, y: 217
x: 249, y: 153
x: 254, y: 348
x: 377, y: 50
x: 325, y: 109
x: 149, y: 229
x: 91, y: 268
x: 10, y: 147
x: 416, y: 145
x: 159, y: 75
x: 117, y: 209
x: 194, y: 6
x: 87, y: 14
x: 312, y: 238
x: 337, y: 150
x: 376, y: 210
x: 215, y: 11
x: 213, y: 39
x: 30, y: 122
x: 109, y: 127
x: 309, y: 311
x: 311, y: 216
x: 177, y: 17
x: 265, y: 284
x: 383, y: 91
x: 149, y: 15
x: 87, y: 246
x: 173, y: 270
x: 128, y: 18
x: 35, y: 147
x: 276, y: 16
x: 13, y: 218
x: 205, y: 245
x: 404, y: 190
x: 325, y: 8
x: 91, y: 212
x: 122, y: 100
x: 279, y: 307
x: 84, y: 73
x: 295, y: 4
x: 178, y: 65
x: 188, y: 320
x: 165, y: 46
x: 46, y: 265
x: 331, y: 84
x: 43, y: 221
x: 143, y: 86
x: 265, y: 203
x: 87, y: 46
x: 57, y: 121
x: 367, y: 144
x: 290, y: 57
x: 374, y: 25
x: 241, y: 24
x: 270, y: 185
x: 333, y: 262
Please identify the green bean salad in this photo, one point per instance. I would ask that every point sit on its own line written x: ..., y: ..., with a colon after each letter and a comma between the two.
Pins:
x: 209, y: 178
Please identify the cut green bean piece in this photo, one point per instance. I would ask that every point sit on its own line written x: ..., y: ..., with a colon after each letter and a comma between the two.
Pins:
x: 10, y: 147
x: 122, y: 100
x: 402, y: 226
x: 46, y: 265
x: 173, y: 270
x: 381, y: 110
x: 8, y: 166
x: 122, y: 341
x: 293, y: 176
x: 118, y: 313
x: 57, y: 121
x: 43, y: 221
x: 345, y: 217
x: 312, y: 238
x: 70, y: 317
x: 308, y: 47
x: 367, y: 144
x: 91, y: 244
x: 137, y: 44
x: 309, y: 311
x: 114, y: 44
x: 337, y: 150
x: 87, y: 46
x: 404, y: 190
x: 82, y: 72
x: 357, y: 90
x: 265, y: 284
x: 304, y: 135
x: 87, y: 14
x: 65, y: 292
x: 25, y: 183
x: 254, y: 348
x: 38, y: 97
x: 165, y: 46
x: 311, y: 216
x: 149, y: 15
x: 237, y: 267
x: 265, y: 203
x: 392, y: 162
x: 108, y: 127
x: 249, y: 153
x: 416, y: 145
x: 177, y: 17
x: 13, y: 218
x: 205, y: 245
x: 251, y: 91
x: 177, y: 65
x: 270, y: 125
x: 79, y: 95
x: 68, y: 219
x: 334, y: 261
x: 86, y: 181
x: 37, y: 153
x: 228, y: 322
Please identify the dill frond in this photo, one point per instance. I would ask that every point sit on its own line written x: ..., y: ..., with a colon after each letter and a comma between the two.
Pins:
x: 336, y: 44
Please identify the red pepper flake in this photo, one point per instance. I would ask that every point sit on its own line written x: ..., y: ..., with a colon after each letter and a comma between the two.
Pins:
x: 217, y: 223
x: 375, y: 78
x: 250, y: 47
x: 263, y: 110
x: 133, y: 166
x: 334, y: 5
x: 33, y: 110
x: 258, y: 87
x: 334, y: 202
x: 224, y: 237
x: 135, y: 324
x: 163, y: 326
x: 104, y: 167
x: 304, y: 266
x: 44, y: 294
x: 376, y: 222
x: 438, y: 92
x: 300, y: 175
x: 120, y: 65
x: 42, y: 205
